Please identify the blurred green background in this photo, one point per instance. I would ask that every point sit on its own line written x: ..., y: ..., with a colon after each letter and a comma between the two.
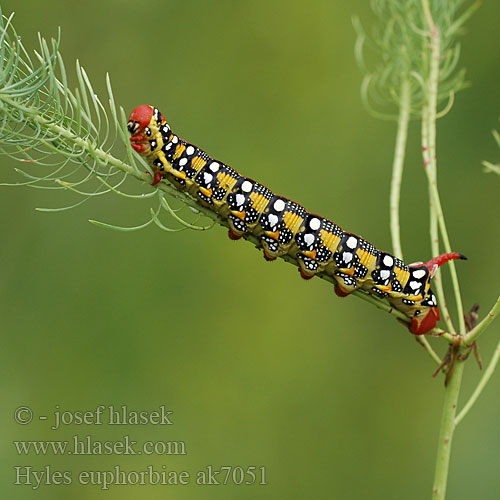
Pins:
x: 332, y: 396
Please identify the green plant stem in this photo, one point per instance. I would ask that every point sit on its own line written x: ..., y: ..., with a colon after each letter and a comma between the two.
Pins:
x: 447, y: 247
x: 490, y: 168
x: 397, y: 176
x: 472, y: 336
x: 452, y: 391
x: 428, y: 133
x: 397, y: 166
x: 432, y: 353
x: 480, y: 386
x: 468, y: 340
x: 438, y: 284
x: 431, y: 169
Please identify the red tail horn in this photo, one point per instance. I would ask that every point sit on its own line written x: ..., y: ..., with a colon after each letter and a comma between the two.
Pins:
x: 438, y: 261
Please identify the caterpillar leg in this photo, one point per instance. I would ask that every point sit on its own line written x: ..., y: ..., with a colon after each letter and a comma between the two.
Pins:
x: 157, y: 178
x: 233, y: 236
x: 276, y: 243
x: 270, y: 247
x: 345, y: 285
x: 340, y: 292
x: 237, y: 227
x: 308, y: 266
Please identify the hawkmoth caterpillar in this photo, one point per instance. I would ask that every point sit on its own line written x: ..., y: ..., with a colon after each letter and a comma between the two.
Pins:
x: 285, y: 227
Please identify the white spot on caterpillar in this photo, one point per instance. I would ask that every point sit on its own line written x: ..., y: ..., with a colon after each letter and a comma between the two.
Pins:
x: 183, y: 161
x: 207, y: 177
x: 315, y: 224
x: 247, y: 187
x: 279, y: 205
x: 189, y: 150
x: 166, y: 128
x: 169, y: 145
x: 309, y: 238
x: 351, y: 242
x: 384, y: 274
x: 214, y: 167
x: 388, y: 260
x: 273, y: 219
x: 414, y: 285
x: 240, y: 199
x: 347, y: 257
x: 419, y: 273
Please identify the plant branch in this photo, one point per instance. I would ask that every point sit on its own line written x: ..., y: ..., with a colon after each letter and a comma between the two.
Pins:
x: 472, y: 336
x: 432, y: 353
x: 480, y: 386
x: 452, y: 391
x: 454, y: 378
x: 433, y: 228
x: 397, y: 176
x: 397, y: 166
x: 429, y: 115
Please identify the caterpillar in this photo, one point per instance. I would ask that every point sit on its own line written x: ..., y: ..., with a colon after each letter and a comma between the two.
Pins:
x: 285, y: 227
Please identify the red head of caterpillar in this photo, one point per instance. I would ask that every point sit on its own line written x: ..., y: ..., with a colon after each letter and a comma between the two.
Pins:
x: 285, y: 228
x: 139, y: 119
x: 143, y: 125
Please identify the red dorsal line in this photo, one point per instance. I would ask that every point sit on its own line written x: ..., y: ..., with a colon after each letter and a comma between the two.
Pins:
x: 443, y: 259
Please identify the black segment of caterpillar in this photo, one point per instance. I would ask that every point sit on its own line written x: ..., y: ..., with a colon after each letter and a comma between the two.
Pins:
x: 284, y: 227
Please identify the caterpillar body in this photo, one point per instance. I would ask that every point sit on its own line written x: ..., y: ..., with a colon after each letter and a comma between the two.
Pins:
x: 285, y: 227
